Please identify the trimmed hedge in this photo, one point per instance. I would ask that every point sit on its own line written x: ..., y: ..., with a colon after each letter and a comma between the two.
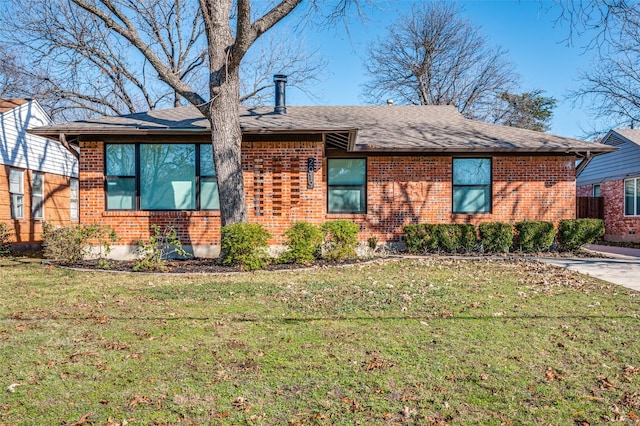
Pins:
x: 303, y: 242
x: 496, y: 237
x: 340, y: 239
x: 245, y: 244
x: 534, y: 235
x: 573, y: 233
x: 451, y: 238
x: 420, y: 238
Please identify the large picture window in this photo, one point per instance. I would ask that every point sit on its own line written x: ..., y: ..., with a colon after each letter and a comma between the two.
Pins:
x: 37, y: 195
x: 471, y: 185
x: 347, y: 182
x: 632, y: 197
x: 16, y: 190
x: 161, y: 177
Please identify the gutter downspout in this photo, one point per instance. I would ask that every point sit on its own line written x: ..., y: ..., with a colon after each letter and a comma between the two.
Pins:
x: 63, y: 141
x: 585, y: 160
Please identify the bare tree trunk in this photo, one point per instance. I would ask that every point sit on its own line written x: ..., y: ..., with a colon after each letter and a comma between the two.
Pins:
x: 226, y: 138
x: 223, y: 111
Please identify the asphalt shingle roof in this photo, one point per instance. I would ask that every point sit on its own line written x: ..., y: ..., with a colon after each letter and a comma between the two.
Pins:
x: 376, y: 128
x: 9, y: 104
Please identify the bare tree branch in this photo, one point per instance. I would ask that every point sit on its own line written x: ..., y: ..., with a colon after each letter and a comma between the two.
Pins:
x: 435, y: 57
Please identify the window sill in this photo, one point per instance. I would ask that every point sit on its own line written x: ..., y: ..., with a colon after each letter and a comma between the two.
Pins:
x: 159, y: 213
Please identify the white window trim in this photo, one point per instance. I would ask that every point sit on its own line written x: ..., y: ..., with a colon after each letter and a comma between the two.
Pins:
x: 36, y: 197
x: 17, y: 195
x: 635, y: 198
x: 593, y: 190
x: 74, y: 211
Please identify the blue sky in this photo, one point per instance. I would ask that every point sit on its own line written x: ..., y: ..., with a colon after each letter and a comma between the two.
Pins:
x: 526, y: 29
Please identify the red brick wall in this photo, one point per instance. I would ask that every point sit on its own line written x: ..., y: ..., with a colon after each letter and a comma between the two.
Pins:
x: 400, y: 190
x: 56, y: 206
x: 617, y: 226
x: 403, y: 190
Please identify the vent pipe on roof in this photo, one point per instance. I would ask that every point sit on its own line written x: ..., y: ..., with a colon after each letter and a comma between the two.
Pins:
x: 281, y: 104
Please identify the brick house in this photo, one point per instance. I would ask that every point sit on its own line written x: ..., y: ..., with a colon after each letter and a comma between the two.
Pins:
x: 38, y: 176
x: 616, y: 178
x: 380, y: 166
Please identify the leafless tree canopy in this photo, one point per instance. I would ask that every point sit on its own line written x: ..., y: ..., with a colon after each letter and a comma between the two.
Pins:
x: 77, y: 67
x: 610, y: 90
x: 433, y: 56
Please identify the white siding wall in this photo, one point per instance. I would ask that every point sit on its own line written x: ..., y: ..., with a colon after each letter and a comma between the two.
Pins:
x: 20, y: 149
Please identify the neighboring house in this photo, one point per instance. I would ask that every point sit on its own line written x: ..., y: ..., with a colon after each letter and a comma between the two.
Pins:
x: 38, y: 176
x: 380, y: 166
x: 616, y: 178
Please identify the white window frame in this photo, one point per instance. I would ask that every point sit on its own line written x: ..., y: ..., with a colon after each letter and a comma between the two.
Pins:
x: 16, y: 193
x: 636, y: 207
x: 593, y: 190
x: 37, y: 199
x: 74, y: 199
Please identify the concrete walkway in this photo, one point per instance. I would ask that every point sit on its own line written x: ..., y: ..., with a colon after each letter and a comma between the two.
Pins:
x: 622, y: 265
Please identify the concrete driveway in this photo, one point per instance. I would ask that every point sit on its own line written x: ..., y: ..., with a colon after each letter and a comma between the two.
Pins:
x: 621, y: 267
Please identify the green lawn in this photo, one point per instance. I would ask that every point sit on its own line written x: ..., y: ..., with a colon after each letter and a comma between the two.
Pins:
x: 413, y: 342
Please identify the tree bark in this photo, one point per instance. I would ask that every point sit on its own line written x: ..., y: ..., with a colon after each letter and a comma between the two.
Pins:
x: 223, y: 111
x: 226, y: 137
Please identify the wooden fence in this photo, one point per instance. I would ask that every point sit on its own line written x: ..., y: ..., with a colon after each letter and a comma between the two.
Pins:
x: 590, y: 207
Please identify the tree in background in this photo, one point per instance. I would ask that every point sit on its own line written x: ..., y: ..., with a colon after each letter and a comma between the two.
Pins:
x: 434, y: 56
x: 162, y: 41
x: 529, y: 110
x: 611, y: 89
x: 78, y: 68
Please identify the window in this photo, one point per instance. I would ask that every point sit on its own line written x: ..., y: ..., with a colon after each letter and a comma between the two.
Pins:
x: 596, y: 190
x: 161, y: 177
x: 346, y: 181
x: 471, y: 185
x: 74, y: 196
x: 121, y: 177
x: 16, y: 189
x: 632, y: 197
x: 209, y: 198
x: 37, y: 195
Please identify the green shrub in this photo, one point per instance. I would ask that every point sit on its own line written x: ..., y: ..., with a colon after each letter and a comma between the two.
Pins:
x: 468, y: 237
x: 163, y: 243
x: 372, y: 242
x: 5, y: 245
x: 340, y: 239
x: 452, y: 238
x: 496, y: 237
x: 573, y: 233
x: 72, y: 244
x: 534, y: 235
x: 245, y: 244
x: 420, y: 238
x: 303, y: 242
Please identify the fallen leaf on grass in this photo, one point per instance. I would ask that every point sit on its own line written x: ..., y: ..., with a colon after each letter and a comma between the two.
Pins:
x: 12, y: 387
x: 552, y: 375
x: 83, y: 420
x: 137, y: 400
x: 605, y: 384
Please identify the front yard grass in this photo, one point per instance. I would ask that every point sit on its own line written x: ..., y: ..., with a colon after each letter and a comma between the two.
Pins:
x: 431, y: 341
